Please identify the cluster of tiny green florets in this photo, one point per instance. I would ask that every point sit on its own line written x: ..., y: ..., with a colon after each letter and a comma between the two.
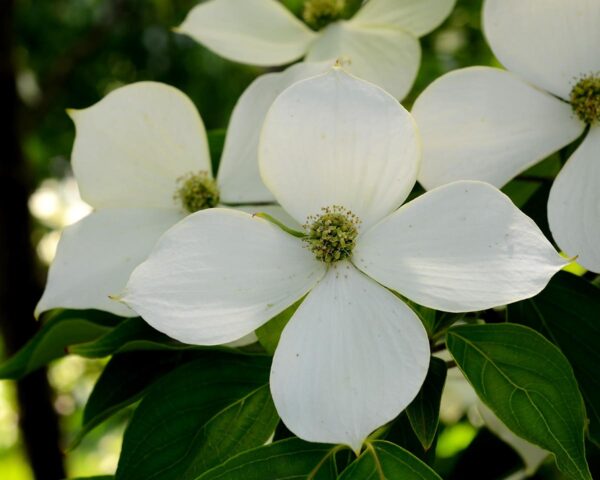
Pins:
x: 197, y: 191
x: 332, y: 235
x: 319, y: 13
x: 585, y: 98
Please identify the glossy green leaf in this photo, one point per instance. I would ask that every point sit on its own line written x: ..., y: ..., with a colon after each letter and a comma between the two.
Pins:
x: 244, y: 424
x: 529, y: 385
x: 424, y: 411
x: 184, y: 414
x: 284, y: 460
x: 132, y: 334
x: 567, y: 313
x: 63, y: 328
x: 123, y: 382
x: 383, y: 460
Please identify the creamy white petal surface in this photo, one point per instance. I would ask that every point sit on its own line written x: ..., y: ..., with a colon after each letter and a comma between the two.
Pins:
x: 218, y: 275
x: 96, y: 255
x: 352, y: 357
x: 133, y: 145
x: 258, y: 32
x: 239, y: 179
x: 417, y: 17
x: 336, y: 140
x: 458, y: 248
x: 388, y: 57
x: 549, y: 42
x: 486, y: 124
x: 574, y: 204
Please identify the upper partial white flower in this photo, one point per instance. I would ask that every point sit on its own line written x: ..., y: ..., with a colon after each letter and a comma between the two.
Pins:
x: 380, y: 41
x: 141, y: 160
x: 340, y: 155
x: 490, y: 124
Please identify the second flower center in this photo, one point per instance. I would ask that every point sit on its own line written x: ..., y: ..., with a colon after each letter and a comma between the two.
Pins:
x: 331, y: 236
x: 585, y: 99
x: 317, y: 14
x: 197, y: 191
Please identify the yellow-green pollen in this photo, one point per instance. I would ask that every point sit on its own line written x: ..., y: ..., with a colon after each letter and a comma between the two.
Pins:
x: 332, y: 235
x: 197, y: 191
x: 317, y: 14
x: 585, y: 98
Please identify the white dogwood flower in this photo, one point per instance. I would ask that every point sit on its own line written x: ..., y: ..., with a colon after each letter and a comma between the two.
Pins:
x: 141, y: 160
x: 490, y: 124
x: 340, y: 155
x: 380, y: 41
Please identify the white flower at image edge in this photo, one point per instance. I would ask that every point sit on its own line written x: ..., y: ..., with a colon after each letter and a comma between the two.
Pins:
x: 380, y: 41
x: 489, y: 124
x: 131, y: 151
x: 353, y: 355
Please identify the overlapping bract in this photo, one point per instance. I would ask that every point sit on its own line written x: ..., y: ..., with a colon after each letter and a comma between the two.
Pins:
x: 130, y: 150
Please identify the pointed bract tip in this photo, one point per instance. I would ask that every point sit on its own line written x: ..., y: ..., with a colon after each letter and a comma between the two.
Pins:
x: 117, y: 298
x: 72, y: 112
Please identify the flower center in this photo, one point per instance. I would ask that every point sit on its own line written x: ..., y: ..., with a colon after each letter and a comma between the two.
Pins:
x: 196, y: 191
x: 332, y: 235
x: 317, y: 14
x: 585, y: 98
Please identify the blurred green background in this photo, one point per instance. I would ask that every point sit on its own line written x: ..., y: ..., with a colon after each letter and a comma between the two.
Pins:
x: 69, y: 54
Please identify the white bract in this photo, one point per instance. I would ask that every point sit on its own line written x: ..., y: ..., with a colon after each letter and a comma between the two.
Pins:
x: 380, y: 41
x: 131, y: 151
x: 489, y: 124
x: 340, y: 155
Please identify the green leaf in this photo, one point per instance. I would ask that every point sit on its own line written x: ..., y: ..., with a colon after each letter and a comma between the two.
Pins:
x: 123, y: 382
x: 241, y: 426
x: 427, y: 316
x: 185, y: 414
x: 424, y: 411
x: 216, y: 142
x: 64, y: 328
x: 269, y: 334
x: 401, y: 433
x: 284, y: 460
x: 132, y: 334
x: 383, y: 460
x: 529, y: 385
x: 567, y: 313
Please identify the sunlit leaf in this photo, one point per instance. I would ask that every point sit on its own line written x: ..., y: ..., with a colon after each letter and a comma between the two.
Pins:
x: 268, y: 335
x: 567, y: 313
